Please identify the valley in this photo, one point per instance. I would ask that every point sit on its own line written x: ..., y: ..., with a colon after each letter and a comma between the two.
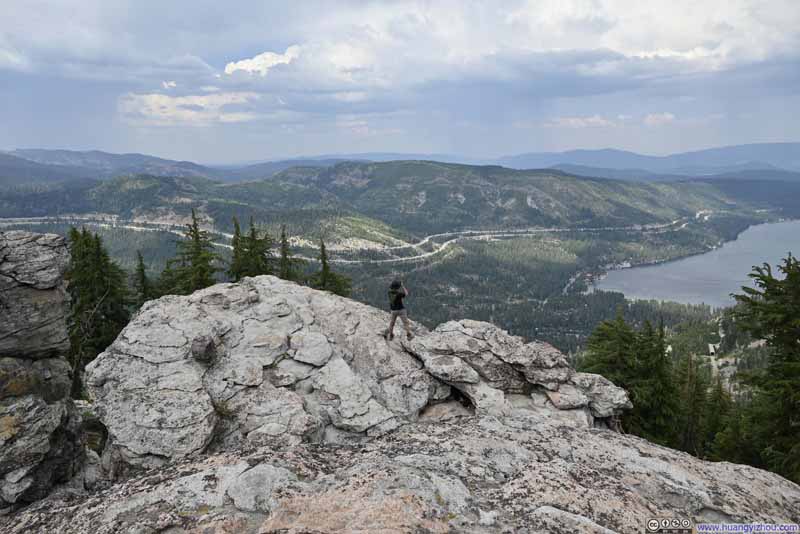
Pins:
x: 417, y: 251
x: 516, y: 247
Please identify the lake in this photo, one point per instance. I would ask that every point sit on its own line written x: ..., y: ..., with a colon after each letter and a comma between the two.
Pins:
x: 708, y: 278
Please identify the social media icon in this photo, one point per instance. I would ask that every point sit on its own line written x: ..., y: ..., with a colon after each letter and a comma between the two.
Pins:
x: 652, y: 525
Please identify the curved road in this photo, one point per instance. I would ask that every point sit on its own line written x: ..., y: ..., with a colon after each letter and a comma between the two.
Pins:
x: 455, y: 237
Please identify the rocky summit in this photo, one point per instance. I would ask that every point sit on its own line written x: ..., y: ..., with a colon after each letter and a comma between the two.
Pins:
x: 272, y: 363
x: 268, y: 407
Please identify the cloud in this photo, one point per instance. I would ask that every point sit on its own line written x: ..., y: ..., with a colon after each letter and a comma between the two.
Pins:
x: 262, y: 63
x: 197, y: 110
x: 593, y: 121
x: 659, y: 119
x: 11, y: 59
x: 458, y: 75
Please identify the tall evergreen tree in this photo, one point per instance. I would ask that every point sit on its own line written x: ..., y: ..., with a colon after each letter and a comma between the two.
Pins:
x: 770, y: 311
x: 194, y: 267
x: 653, y: 391
x: 288, y: 266
x: 610, y: 351
x: 168, y: 281
x: 257, y: 253
x: 639, y: 363
x: 98, y: 300
x: 142, y: 288
x: 735, y: 442
x: 717, y: 410
x: 236, y: 268
x: 328, y: 280
x: 693, y: 397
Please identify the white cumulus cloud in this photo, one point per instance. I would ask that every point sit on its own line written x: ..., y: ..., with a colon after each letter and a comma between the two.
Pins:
x: 262, y: 63
x: 164, y: 110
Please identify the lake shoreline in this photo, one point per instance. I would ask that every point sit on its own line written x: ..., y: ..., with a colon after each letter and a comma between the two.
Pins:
x: 601, y: 280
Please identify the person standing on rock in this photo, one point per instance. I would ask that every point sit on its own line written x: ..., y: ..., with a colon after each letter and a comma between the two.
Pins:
x: 397, y: 292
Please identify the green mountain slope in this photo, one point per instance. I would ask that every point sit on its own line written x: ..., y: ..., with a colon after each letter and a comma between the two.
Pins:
x: 530, y: 282
x: 427, y: 197
x: 19, y: 171
x: 414, y: 197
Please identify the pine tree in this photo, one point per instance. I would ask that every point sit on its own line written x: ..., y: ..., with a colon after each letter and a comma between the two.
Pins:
x: 98, y: 301
x: 717, y: 410
x: 770, y: 311
x: 288, y: 266
x: 693, y: 397
x: 735, y: 442
x: 653, y: 391
x: 639, y: 363
x: 257, y: 253
x: 236, y: 268
x: 168, y: 281
x: 609, y: 351
x: 142, y: 288
x: 194, y: 267
x: 323, y: 278
x: 326, y: 279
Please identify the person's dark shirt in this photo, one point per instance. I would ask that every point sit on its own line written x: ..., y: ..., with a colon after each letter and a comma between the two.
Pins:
x: 396, y: 297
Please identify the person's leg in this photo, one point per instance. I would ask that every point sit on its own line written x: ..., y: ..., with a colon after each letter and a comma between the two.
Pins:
x: 407, y: 324
x: 390, y: 330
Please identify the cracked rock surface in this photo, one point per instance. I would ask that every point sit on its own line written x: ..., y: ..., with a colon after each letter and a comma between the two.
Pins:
x: 268, y: 407
x: 267, y: 361
x: 515, y: 474
x: 33, y: 294
x: 40, y: 441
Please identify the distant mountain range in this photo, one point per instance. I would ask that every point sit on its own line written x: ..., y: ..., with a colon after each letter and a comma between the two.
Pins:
x: 35, y: 165
x: 784, y: 156
x: 775, y: 161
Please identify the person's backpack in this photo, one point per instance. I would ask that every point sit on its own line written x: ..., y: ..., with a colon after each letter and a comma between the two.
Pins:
x: 395, y: 296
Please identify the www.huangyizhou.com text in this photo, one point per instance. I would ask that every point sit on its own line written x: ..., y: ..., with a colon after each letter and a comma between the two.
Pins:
x: 750, y: 528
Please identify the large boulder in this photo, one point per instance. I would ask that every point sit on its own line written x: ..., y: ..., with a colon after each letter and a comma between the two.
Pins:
x: 500, y: 373
x: 267, y: 361
x: 264, y: 361
x: 33, y: 295
x: 40, y: 443
x: 518, y: 473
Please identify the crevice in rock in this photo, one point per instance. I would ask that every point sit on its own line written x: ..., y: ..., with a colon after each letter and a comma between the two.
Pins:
x: 95, y: 433
x: 458, y: 395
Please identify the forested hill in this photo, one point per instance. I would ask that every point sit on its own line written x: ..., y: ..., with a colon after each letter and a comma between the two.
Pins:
x: 403, y: 218
x: 18, y: 171
x: 429, y: 196
x: 41, y: 166
x: 412, y: 197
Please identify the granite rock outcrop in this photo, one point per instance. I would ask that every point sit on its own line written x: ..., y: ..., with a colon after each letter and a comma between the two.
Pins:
x: 40, y: 438
x: 267, y: 361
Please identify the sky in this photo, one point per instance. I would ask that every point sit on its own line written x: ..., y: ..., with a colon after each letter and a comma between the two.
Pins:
x: 213, y: 81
